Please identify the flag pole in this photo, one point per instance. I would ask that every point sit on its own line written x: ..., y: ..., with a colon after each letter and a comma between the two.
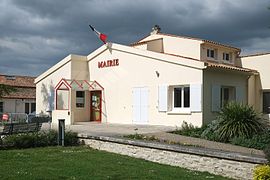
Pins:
x: 102, y: 37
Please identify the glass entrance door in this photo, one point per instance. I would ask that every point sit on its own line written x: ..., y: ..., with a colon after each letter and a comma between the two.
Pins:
x: 95, y: 108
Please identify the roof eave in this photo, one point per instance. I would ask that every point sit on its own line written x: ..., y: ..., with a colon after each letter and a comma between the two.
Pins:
x: 220, y: 44
x: 230, y: 68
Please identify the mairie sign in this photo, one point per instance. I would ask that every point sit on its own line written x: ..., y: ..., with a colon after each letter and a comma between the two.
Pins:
x: 108, y: 63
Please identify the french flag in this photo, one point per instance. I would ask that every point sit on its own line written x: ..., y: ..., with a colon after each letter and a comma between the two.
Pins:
x: 102, y: 37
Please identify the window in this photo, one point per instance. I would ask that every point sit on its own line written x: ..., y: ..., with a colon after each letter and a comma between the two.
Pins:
x: 181, y: 97
x: 80, y: 98
x: 62, y: 99
x: 26, y: 108
x: 227, y: 94
x: 211, y: 53
x: 226, y: 57
x: 33, y: 107
x: 1, y: 107
x: 266, y: 102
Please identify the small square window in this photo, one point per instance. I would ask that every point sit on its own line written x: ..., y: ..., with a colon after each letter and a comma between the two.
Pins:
x: 80, y: 98
x: 181, y: 97
x: 227, y: 94
x: 226, y: 56
x: 211, y: 53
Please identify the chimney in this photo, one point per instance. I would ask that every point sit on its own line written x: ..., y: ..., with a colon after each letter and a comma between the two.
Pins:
x: 155, y: 30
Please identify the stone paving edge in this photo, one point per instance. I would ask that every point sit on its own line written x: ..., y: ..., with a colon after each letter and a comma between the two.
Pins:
x: 180, y: 148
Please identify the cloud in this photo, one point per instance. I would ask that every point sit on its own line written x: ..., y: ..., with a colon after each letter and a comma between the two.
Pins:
x: 37, y: 34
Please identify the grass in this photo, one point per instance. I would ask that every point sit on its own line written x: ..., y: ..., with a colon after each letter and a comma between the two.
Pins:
x: 86, y: 163
x: 153, y: 138
x: 141, y: 137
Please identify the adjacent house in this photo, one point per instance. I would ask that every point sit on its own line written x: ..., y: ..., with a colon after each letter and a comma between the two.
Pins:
x: 162, y: 79
x: 259, y: 83
x: 23, y: 100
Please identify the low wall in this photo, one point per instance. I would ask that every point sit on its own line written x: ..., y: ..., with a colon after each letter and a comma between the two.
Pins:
x: 233, y: 165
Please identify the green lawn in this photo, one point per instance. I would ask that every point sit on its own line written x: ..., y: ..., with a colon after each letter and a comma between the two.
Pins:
x: 85, y: 163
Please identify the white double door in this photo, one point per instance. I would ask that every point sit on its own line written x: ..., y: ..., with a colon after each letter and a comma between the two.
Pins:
x: 140, y: 105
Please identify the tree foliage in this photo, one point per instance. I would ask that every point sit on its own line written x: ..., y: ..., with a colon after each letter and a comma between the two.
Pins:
x: 6, y: 90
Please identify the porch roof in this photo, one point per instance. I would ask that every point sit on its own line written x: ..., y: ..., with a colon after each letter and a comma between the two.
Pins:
x: 80, y: 85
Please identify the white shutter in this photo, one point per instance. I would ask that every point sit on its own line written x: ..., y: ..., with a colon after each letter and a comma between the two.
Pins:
x: 163, y: 98
x: 215, y: 97
x: 144, y: 106
x: 140, y: 105
x: 196, y: 97
x: 136, y: 104
x: 240, y: 94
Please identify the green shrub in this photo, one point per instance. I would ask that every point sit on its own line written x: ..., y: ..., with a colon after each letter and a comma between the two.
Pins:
x: 71, y: 138
x: 261, y: 172
x: 20, y: 140
x: 141, y: 137
x: 258, y: 141
x: 38, y: 139
x: 189, y: 130
x: 210, y: 132
x: 238, y: 120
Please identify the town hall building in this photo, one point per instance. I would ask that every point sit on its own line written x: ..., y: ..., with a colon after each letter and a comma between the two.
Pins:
x: 162, y: 79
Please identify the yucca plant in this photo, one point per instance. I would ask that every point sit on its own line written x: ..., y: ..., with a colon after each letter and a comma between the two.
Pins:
x: 238, y: 120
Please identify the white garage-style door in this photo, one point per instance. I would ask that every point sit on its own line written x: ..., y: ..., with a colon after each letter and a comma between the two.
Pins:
x: 140, y: 105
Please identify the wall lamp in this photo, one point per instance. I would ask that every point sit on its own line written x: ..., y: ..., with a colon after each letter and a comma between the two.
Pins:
x: 157, y: 73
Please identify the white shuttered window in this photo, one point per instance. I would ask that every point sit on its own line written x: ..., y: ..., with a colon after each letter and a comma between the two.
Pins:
x: 162, y: 98
x: 196, y: 97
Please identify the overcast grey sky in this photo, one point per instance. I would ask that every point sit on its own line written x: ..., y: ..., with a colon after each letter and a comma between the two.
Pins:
x: 36, y: 34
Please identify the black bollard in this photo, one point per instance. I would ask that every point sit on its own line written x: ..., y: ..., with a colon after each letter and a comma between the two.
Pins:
x: 61, y: 132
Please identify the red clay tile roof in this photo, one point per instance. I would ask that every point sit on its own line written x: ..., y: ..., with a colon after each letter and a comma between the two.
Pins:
x: 204, y: 40
x: 24, y: 85
x: 187, y: 37
x: 230, y: 67
x: 22, y: 93
x: 17, y: 81
x: 225, y: 45
x: 218, y: 65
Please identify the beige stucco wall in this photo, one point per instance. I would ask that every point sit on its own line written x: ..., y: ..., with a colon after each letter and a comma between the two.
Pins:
x: 71, y: 67
x: 45, y: 92
x: 188, y: 47
x: 182, y: 46
x: 137, y: 70
x: 15, y: 105
x: 62, y: 114
x: 79, y: 70
x: 220, y: 51
x: 258, y: 83
x: 141, y: 46
x: 254, y: 92
x: 260, y: 63
x: 224, y: 78
x: 155, y: 45
x: 81, y: 114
